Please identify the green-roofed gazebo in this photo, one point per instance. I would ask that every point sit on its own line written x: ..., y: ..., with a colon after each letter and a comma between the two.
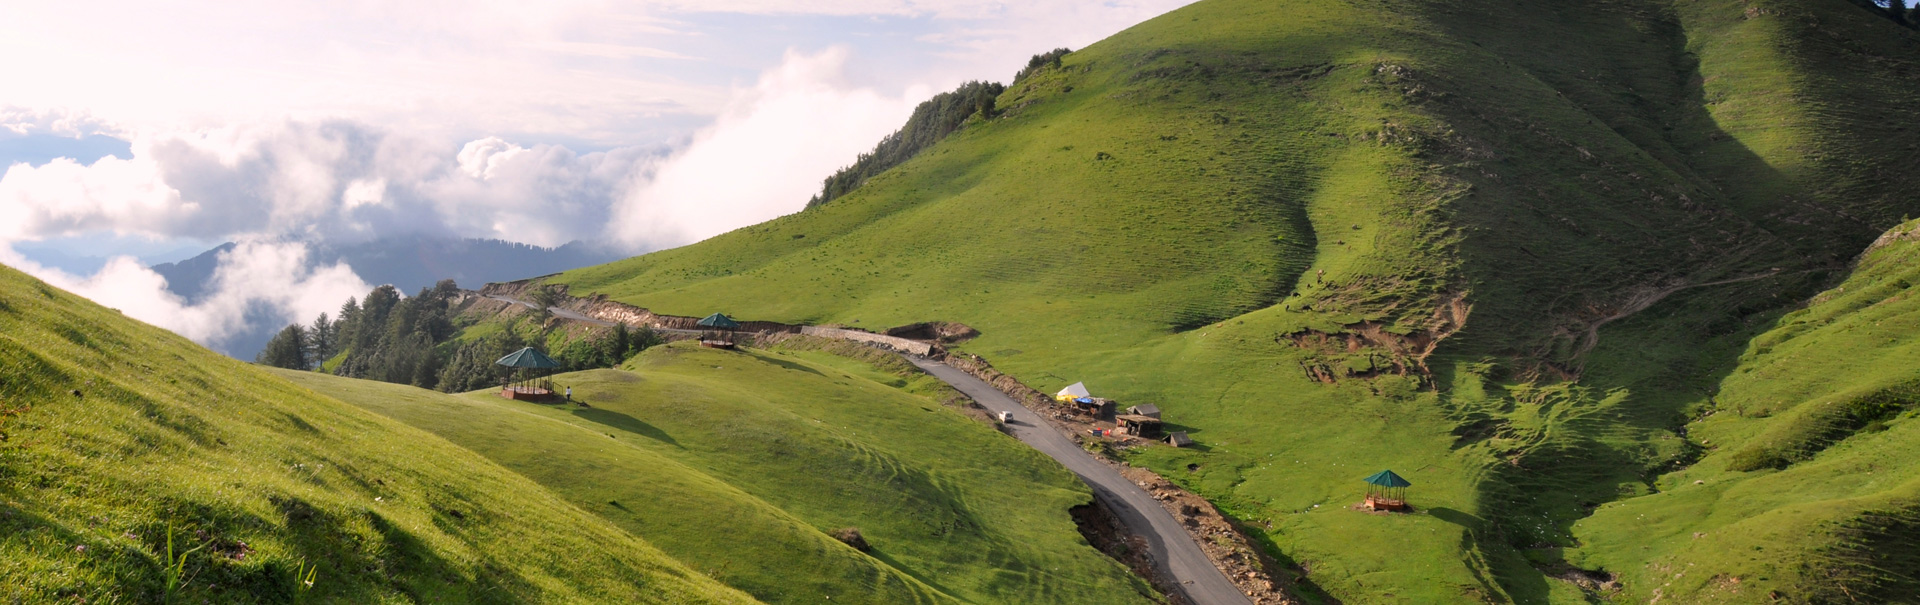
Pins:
x: 719, y: 331
x: 719, y: 321
x: 1387, y: 491
x: 527, y: 369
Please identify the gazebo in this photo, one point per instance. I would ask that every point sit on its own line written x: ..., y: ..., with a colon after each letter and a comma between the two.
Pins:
x: 719, y: 331
x: 524, y: 379
x: 1387, y: 491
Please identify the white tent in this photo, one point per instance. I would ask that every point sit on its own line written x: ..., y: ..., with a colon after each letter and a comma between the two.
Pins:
x: 1073, y: 391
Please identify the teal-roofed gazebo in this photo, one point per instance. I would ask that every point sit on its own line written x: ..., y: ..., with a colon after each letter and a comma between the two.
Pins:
x: 718, y: 331
x: 1387, y: 491
x: 527, y: 372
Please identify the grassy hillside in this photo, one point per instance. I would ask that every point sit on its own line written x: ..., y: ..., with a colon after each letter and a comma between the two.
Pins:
x: 1329, y: 237
x: 118, y: 439
x: 742, y: 463
x: 1809, y: 488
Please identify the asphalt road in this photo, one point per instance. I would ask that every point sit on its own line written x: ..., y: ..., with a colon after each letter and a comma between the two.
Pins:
x: 1171, y: 547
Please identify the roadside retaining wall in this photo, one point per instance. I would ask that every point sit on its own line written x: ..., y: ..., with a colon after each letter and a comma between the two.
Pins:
x: 601, y: 308
x: 893, y: 342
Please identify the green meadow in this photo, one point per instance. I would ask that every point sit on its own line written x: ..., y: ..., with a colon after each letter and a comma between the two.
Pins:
x: 1590, y: 275
x: 1808, y: 479
x: 138, y: 467
x: 1521, y: 271
x: 742, y: 463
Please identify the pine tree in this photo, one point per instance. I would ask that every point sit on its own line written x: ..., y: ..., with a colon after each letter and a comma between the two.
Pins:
x: 320, y: 339
x: 543, y: 297
x: 286, y: 350
x: 346, y: 326
x: 983, y: 104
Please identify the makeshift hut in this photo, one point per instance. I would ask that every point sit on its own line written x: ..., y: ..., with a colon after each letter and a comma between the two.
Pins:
x: 1387, y: 491
x: 1145, y: 409
x: 1179, y: 439
x: 1073, y: 391
x: 1146, y: 427
x: 527, y: 375
x: 718, y: 331
x: 1093, y: 406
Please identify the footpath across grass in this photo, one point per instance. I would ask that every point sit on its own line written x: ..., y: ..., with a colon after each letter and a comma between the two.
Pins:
x: 742, y: 462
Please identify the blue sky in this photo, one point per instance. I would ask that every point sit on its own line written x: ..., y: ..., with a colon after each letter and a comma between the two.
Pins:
x: 143, y: 130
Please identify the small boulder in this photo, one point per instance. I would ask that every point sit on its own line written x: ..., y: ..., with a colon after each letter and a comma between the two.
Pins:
x: 851, y: 536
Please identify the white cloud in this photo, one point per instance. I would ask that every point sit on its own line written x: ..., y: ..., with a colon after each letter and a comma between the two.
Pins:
x: 614, y: 73
x: 544, y: 195
x: 263, y: 280
x: 332, y: 181
x: 765, y: 155
x: 66, y: 197
x: 263, y: 122
x: 441, y: 68
x: 67, y: 122
x: 345, y: 181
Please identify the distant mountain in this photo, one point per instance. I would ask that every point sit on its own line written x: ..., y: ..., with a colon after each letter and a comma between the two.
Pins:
x: 409, y: 263
x: 189, y: 278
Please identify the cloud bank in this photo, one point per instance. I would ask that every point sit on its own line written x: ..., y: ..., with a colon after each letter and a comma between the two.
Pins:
x: 277, y: 186
x: 642, y: 125
x: 765, y: 155
x: 255, y: 277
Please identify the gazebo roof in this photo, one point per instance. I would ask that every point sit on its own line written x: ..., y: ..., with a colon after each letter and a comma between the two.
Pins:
x: 719, y: 320
x: 1388, y: 479
x: 527, y: 358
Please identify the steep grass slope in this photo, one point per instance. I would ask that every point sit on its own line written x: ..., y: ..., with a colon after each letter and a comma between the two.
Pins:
x: 1809, y: 490
x: 1501, y: 247
x: 742, y: 463
x: 120, y: 439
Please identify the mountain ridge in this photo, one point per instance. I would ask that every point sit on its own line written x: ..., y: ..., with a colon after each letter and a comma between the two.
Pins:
x: 1303, y: 229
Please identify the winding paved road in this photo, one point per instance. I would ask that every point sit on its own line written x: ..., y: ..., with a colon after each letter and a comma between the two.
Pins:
x: 1173, y: 550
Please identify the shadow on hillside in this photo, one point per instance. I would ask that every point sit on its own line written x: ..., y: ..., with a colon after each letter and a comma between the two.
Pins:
x: 1455, y: 517
x: 1670, y: 356
x: 626, y: 423
x: 328, y: 539
x: 784, y: 363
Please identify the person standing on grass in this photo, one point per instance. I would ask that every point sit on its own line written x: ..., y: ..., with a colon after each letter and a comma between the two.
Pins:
x: 569, y: 393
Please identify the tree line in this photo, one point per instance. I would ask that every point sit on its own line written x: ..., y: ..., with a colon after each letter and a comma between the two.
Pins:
x: 932, y: 120
x: 402, y: 340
